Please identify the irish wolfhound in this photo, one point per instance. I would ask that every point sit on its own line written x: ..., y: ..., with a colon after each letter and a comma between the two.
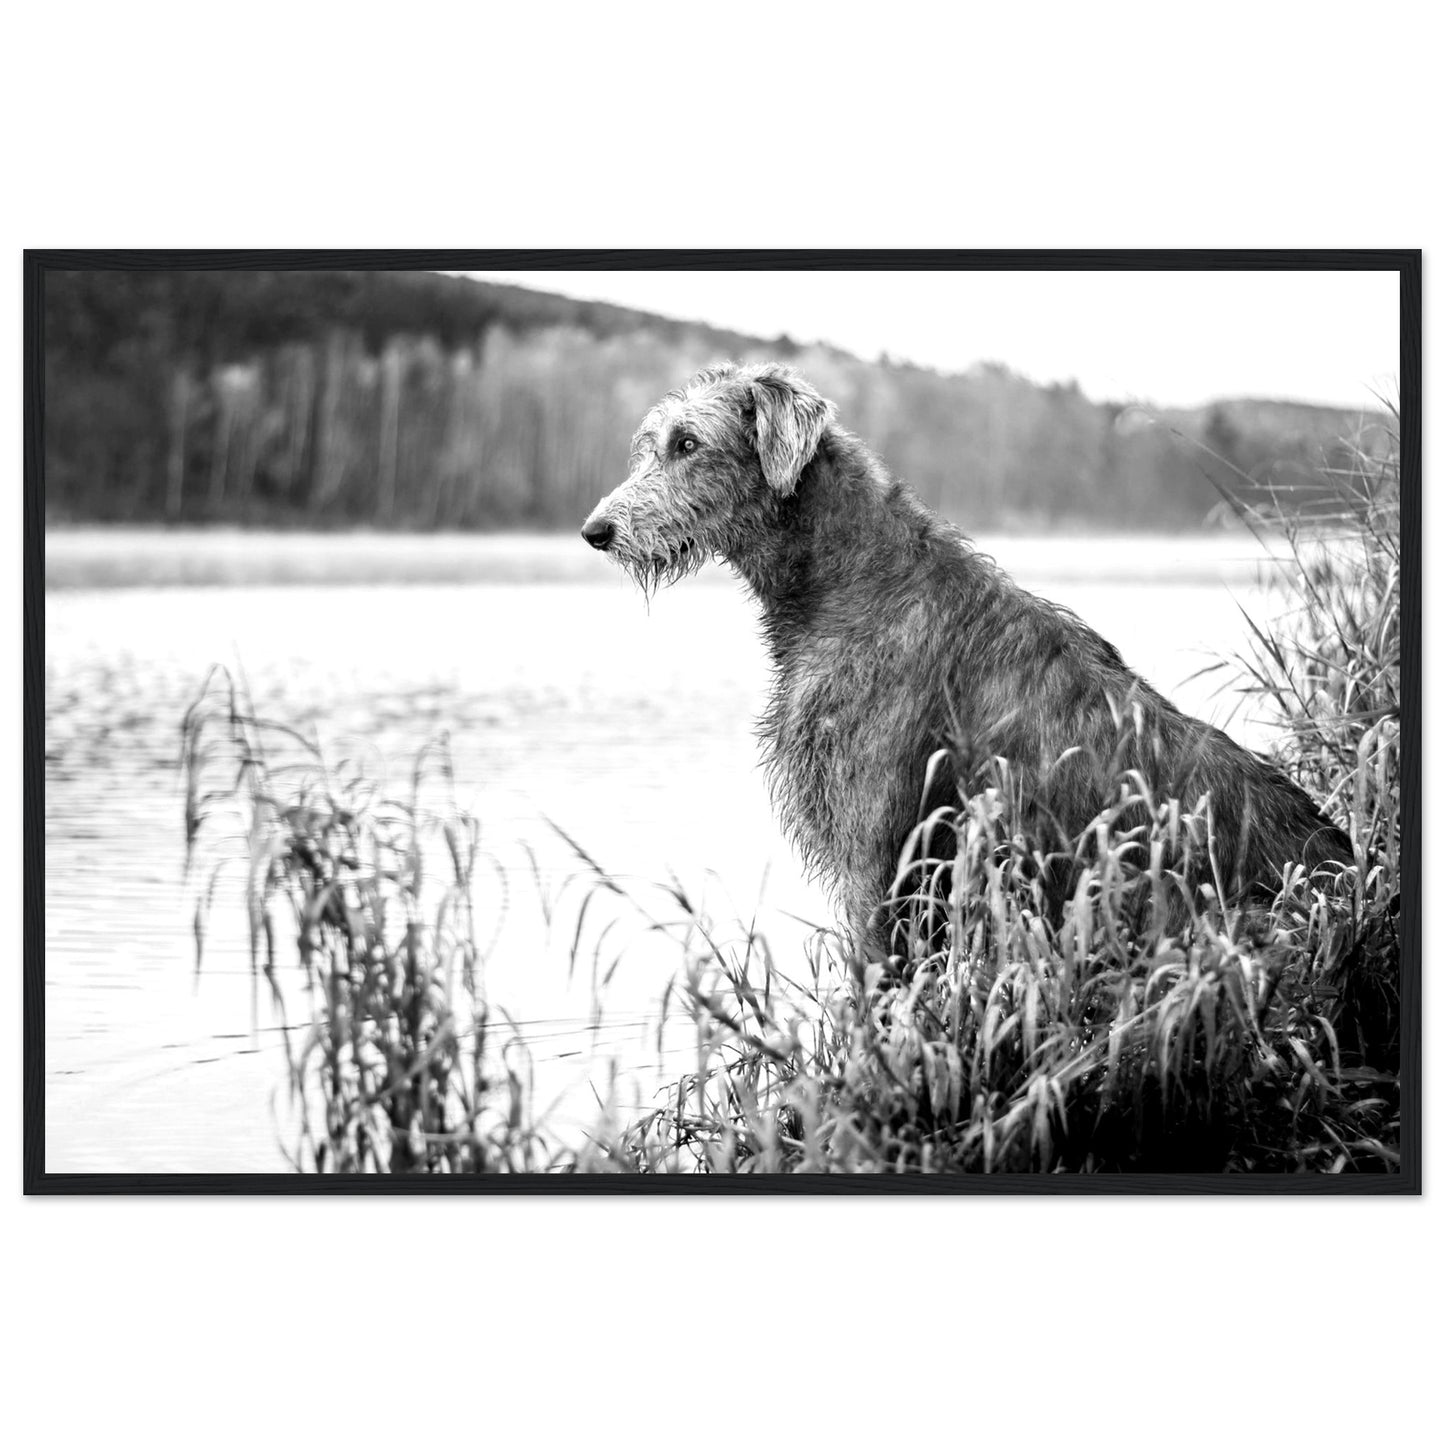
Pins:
x: 892, y: 638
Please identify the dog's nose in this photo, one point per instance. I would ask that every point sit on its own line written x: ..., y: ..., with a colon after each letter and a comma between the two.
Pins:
x: 599, y: 534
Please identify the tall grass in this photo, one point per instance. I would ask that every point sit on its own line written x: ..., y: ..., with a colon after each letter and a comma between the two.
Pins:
x: 1100, y: 1040
x: 1329, y: 672
x: 1137, y: 1023
x: 401, y: 1065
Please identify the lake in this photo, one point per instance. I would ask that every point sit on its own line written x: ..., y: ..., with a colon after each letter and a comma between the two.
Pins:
x: 566, y: 700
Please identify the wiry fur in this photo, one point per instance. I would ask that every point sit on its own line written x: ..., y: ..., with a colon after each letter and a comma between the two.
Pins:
x: 892, y: 638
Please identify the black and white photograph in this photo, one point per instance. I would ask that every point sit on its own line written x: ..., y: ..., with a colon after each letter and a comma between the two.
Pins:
x: 723, y: 722
x: 686, y: 721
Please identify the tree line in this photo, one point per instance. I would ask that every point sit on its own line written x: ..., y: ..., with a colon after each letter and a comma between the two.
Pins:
x: 422, y: 401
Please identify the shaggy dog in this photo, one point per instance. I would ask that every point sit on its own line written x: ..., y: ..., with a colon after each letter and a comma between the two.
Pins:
x: 892, y: 638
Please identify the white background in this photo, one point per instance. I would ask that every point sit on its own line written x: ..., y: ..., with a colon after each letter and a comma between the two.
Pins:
x: 657, y: 126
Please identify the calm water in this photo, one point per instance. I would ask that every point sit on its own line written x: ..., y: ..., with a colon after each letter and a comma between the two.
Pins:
x: 565, y: 699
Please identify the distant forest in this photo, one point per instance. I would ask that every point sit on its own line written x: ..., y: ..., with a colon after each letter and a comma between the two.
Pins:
x: 416, y: 400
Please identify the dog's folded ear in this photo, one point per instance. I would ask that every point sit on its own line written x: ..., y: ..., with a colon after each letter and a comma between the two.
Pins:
x: 789, y: 421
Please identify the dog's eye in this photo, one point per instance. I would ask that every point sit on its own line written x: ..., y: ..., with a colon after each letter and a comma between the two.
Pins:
x: 687, y: 445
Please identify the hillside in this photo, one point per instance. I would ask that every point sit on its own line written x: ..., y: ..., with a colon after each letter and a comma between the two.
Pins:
x: 418, y: 400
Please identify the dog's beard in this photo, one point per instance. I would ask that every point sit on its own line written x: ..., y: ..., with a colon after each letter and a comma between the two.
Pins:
x: 659, y: 567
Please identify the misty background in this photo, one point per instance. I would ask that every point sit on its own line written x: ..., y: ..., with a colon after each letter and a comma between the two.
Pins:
x: 429, y: 402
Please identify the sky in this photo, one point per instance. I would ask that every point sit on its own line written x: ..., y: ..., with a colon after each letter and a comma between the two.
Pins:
x: 1180, y: 338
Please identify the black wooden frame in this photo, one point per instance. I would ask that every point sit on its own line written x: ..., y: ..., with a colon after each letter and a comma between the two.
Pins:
x: 1406, y: 263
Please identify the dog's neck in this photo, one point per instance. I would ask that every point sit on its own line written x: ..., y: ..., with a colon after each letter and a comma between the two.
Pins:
x: 843, y: 537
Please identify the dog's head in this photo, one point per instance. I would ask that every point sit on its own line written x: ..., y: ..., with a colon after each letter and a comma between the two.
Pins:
x: 710, y: 464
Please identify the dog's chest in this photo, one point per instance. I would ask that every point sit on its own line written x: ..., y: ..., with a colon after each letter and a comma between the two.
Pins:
x: 838, y: 735
x: 820, y: 702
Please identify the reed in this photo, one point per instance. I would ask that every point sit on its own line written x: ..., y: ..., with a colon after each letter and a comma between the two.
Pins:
x: 400, y: 1065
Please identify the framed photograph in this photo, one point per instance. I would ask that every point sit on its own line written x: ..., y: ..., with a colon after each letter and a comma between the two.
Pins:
x: 695, y: 721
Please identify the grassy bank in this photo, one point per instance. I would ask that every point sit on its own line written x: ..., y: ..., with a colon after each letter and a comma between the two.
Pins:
x: 1142, y: 1024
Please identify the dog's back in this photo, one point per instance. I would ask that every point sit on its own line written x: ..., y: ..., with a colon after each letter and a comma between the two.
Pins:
x: 917, y: 643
